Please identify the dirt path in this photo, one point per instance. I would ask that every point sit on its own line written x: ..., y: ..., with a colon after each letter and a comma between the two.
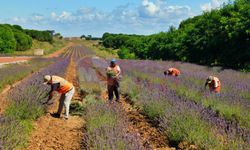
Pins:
x: 13, y: 60
x: 56, y: 133
x: 20, y: 59
x: 60, y: 51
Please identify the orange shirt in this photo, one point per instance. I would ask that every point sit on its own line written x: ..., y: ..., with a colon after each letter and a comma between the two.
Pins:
x: 65, y: 86
x: 174, y: 71
x: 117, y: 71
x: 215, y: 85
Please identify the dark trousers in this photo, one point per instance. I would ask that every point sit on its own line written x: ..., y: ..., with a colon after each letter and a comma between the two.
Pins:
x: 113, y: 89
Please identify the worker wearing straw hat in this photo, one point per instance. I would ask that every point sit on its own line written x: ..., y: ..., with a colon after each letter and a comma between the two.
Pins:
x: 172, y: 72
x: 213, y: 84
x: 62, y: 86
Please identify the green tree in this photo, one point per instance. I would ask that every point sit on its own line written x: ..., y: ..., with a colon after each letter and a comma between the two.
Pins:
x: 23, y: 41
x: 7, y: 39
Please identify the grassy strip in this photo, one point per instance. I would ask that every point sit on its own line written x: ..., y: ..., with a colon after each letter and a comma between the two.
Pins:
x: 15, y: 72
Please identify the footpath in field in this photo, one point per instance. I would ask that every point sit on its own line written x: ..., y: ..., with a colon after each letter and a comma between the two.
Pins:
x: 149, y: 135
x: 60, y: 51
x: 56, y: 133
x: 11, y: 60
x: 20, y: 59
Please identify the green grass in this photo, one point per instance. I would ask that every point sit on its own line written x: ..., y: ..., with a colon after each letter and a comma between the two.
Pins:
x: 48, y: 47
x: 246, y: 95
x: 130, y: 88
x: 24, y: 111
x: 154, y: 110
x: 90, y: 88
x: 77, y: 108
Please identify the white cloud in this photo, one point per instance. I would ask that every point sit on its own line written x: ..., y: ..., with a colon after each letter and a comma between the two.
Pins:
x: 17, y: 20
x: 149, y: 8
x: 151, y: 16
x: 63, y: 17
x: 213, y: 4
x: 37, y: 17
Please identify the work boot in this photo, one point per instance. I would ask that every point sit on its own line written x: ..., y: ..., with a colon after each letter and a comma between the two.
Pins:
x: 55, y: 115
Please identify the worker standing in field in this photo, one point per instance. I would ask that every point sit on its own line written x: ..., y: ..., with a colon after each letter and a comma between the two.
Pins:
x: 113, y: 75
x: 172, y: 72
x: 213, y: 84
x: 64, y: 87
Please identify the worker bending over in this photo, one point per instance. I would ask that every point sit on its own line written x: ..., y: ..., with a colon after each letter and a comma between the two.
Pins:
x: 113, y: 74
x: 172, y: 72
x: 213, y: 84
x: 64, y: 87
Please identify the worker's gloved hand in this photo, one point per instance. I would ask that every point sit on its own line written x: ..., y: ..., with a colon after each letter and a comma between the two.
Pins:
x: 48, y: 102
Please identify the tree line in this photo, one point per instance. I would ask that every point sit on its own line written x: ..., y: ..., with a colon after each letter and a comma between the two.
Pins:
x: 219, y: 37
x: 15, y: 38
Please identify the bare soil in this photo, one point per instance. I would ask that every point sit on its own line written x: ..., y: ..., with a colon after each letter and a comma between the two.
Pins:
x: 6, y: 60
x: 60, y: 51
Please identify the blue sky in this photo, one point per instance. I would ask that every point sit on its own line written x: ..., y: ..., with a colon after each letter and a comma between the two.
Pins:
x: 77, y: 17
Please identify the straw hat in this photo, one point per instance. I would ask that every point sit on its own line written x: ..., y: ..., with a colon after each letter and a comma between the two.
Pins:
x: 210, y: 79
x: 46, y: 79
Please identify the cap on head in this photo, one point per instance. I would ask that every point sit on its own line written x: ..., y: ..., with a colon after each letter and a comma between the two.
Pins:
x: 46, y: 79
x: 113, y: 60
x: 210, y: 79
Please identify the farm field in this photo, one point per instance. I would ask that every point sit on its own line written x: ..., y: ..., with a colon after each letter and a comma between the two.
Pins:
x: 155, y: 112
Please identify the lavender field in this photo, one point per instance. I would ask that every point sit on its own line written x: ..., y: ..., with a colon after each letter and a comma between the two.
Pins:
x: 156, y: 111
x: 182, y: 109
x: 187, y: 112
